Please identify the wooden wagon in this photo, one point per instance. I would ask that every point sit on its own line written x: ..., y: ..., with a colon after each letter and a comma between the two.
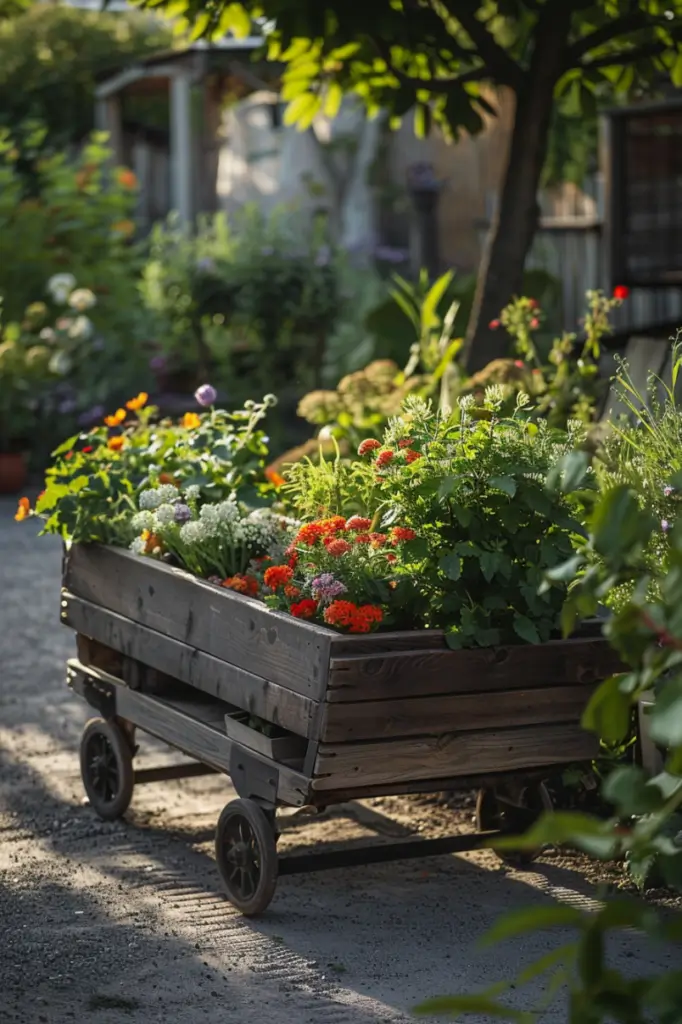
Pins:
x: 348, y: 716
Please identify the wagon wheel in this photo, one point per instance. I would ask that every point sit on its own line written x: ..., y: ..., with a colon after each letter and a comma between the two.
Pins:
x: 512, y: 814
x: 247, y: 856
x: 107, y: 768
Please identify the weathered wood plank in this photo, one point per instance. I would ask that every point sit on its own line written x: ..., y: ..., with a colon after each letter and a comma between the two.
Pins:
x: 200, y: 740
x: 429, y: 716
x: 351, y: 765
x: 228, y: 626
x: 421, y: 640
x: 480, y: 670
x: 270, y: 701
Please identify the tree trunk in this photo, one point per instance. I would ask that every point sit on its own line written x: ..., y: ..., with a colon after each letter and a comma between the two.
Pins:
x: 511, y: 234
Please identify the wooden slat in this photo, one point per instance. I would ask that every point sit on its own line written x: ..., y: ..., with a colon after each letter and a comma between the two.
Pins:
x: 480, y: 670
x: 228, y: 626
x: 429, y: 716
x: 203, y: 742
x: 270, y: 701
x: 422, y: 640
x: 350, y: 765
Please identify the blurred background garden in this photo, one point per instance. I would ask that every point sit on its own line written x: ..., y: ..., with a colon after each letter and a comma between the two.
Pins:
x: 175, y: 211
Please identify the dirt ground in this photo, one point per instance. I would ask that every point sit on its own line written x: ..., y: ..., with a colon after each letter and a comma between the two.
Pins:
x: 125, y: 922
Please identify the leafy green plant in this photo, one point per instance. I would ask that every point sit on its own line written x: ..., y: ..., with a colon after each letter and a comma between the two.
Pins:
x: 92, y: 489
x: 644, y: 826
x: 25, y: 376
x: 469, y: 490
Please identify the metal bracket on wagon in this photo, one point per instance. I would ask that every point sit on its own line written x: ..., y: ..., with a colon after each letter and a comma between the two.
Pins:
x: 98, y: 695
x: 252, y: 778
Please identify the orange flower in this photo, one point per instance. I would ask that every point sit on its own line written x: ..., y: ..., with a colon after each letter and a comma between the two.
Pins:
x: 291, y: 591
x: 23, y: 510
x: 274, y: 477
x: 190, y: 420
x: 166, y: 478
x: 278, y: 576
x: 123, y: 227
x: 378, y: 540
x: 357, y: 619
x: 116, y: 418
x: 116, y: 443
x: 127, y: 179
x: 137, y: 403
x: 242, y: 584
x: 312, y: 532
x: 152, y: 541
x: 337, y: 547
x: 305, y: 609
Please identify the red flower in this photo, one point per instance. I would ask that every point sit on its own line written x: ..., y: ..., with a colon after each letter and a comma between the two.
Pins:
x: 305, y: 609
x: 378, y: 540
x: 370, y: 444
x: 406, y: 442
x: 88, y: 448
x: 363, y: 538
x: 519, y: 363
x: 411, y: 455
x: 621, y: 292
x: 278, y: 576
x: 356, y: 523
x: 535, y: 323
x: 494, y: 324
x: 337, y: 547
x: 309, y: 533
x: 401, y: 534
x: 384, y: 458
x: 533, y: 303
x: 291, y: 591
x: 390, y: 557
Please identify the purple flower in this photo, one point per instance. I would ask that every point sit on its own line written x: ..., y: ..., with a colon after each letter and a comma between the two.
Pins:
x: 157, y: 364
x: 665, y: 525
x: 67, y: 406
x: 182, y: 513
x: 206, y: 395
x: 326, y: 587
x: 91, y: 416
x: 667, y: 491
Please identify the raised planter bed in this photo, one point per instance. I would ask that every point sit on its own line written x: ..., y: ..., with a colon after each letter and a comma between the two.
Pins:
x: 372, y: 714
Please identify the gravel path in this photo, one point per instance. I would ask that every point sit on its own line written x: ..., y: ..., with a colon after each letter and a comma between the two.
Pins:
x: 125, y: 922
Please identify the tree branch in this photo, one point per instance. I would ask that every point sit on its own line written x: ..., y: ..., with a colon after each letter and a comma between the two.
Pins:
x: 501, y: 66
x: 612, y: 30
x: 432, y: 84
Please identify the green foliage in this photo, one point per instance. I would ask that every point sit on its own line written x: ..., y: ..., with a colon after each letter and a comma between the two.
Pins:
x: 256, y: 299
x: 92, y: 489
x: 438, y: 57
x: 468, y: 488
x: 645, y: 824
x: 51, y: 57
x: 26, y: 372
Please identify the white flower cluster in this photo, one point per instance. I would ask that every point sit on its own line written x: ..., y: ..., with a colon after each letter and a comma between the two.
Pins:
x: 217, y: 517
x: 157, y: 496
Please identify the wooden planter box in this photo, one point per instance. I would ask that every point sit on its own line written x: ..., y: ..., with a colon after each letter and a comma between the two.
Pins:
x: 386, y: 712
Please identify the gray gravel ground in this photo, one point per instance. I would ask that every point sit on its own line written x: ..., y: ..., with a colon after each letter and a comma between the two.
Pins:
x: 125, y: 922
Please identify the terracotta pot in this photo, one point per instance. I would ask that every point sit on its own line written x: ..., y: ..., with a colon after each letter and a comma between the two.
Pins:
x: 13, y: 472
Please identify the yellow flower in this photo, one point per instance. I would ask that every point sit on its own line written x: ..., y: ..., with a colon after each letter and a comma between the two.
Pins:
x: 116, y: 419
x: 116, y: 443
x: 24, y: 510
x: 190, y: 420
x: 137, y: 403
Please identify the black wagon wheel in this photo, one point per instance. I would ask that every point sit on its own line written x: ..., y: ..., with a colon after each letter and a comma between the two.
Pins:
x: 512, y: 812
x: 246, y: 853
x: 107, y: 768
